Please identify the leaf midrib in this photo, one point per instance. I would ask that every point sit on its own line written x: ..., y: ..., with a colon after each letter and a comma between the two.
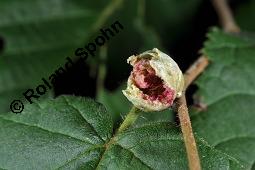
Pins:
x: 80, y: 155
x: 79, y: 112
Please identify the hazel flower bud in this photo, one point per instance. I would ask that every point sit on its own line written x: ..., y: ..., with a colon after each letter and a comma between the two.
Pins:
x: 155, y: 82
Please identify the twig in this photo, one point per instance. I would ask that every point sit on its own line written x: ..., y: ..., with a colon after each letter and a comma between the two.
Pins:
x: 225, y: 15
x: 183, y: 114
x: 195, y: 69
x: 189, y: 140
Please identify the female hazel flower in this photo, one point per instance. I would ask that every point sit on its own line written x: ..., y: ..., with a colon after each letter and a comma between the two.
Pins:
x: 155, y: 82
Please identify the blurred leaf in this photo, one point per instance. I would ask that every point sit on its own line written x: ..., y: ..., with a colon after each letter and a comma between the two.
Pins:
x: 150, y: 38
x: 148, y: 24
x: 227, y: 88
x: 245, y: 15
x: 76, y: 133
x: 171, y: 18
x: 38, y: 35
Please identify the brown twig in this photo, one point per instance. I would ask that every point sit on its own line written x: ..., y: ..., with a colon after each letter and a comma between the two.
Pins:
x: 189, y: 140
x: 183, y: 114
x: 229, y: 25
x: 225, y: 16
x: 195, y: 69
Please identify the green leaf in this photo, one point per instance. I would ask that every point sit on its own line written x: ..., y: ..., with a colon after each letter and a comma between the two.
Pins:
x: 50, y: 134
x: 158, y: 146
x: 76, y: 133
x: 227, y: 88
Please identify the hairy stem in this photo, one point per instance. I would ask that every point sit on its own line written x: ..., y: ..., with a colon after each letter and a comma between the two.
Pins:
x: 190, y: 144
x: 129, y: 119
x: 226, y: 18
x: 189, y: 140
x: 195, y: 70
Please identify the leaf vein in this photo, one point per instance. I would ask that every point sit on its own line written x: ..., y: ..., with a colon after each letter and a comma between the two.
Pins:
x: 135, y: 156
x: 79, y: 112
x: 29, y: 125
